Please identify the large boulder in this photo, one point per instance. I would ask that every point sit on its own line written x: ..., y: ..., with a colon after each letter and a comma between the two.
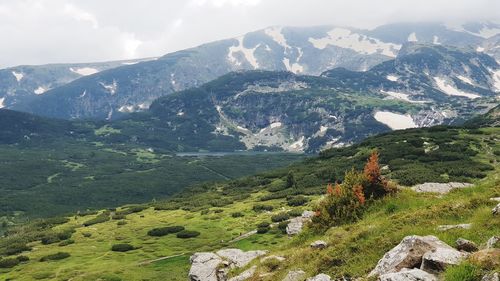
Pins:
x: 454, y: 226
x: 239, y: 258
x: 319, y: 244
x: 295, y: 275
x: 320, y: 277
x: 439, y: 187
x: 295, y: 225
x: 496, y: 211
x: 466, y: 245
x: 245, y: 274
x: 438, y: 259
x: 409, y: 253
x: 204, y: 267
x: 493, y: 242
x: 406, y: 274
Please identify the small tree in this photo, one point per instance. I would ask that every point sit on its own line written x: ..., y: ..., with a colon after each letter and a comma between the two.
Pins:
x: 290, y: 180
x: 376, y: 185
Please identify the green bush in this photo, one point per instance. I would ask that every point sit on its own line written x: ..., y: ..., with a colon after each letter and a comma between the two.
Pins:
x: 22, y: 258
x: 122, y: 247
x: 66, y: 242
x: 121, y: 223
x: 280, y: 217
x: 295, y: 213
x: 262, y: 230
x: 187, y: 234
x: 99, y: 219
x: 15, y: 249
x: 263, y: 224
x: 237, y: 214
x: 162, y: 231
x: 119, y: 217
x: 297, y: 201
x: 9, y: 263
x: 282, y: 226
x: 462, y: 272
x: 56, y: 256
x: 260, y: 208
x: 87, y: 234
x: 271, y: 264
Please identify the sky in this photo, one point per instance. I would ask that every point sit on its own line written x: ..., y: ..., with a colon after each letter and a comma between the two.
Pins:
x: 68, y: 31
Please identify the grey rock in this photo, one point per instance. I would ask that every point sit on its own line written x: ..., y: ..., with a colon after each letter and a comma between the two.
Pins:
x: 238, y: 257
x: 440, y: 187
x: 204, y: 267
x: 454, y: 226
x: 245, y: 274
x: 320, y: 277
x: 407, y: 254
x: 295, y: 225
x: 492, y: 242
x: 497, y: 199
x: 496, y: 211
x: 466, y: 245
x: 319, y: 244
x: 438, y: 259
x: 491, y: 277
x: 278, y: 258
x: 295, y: 275
x: 408, y: 275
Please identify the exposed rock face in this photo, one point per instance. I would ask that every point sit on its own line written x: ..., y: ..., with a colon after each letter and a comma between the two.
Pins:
x: 496, y: 210
x: 439, y: 187
x: 410, y: 252
x: 491, y: 277
x: 295, y: 225
x: 295, y: 275
x: 245, y: 274
x: 493, y: 242
x: 438, y: 259
x: 320, y: 277
x: 319, y: 244
x: 408, y: 275
x: 238, y: 257
x: 466, y: 245
x: 455, y: 226
x: 204, y: 267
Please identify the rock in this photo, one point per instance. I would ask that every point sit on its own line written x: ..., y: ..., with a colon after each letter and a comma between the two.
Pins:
x: 497, y: 199
x: 438, y: 259
x: 279, y: 258
x: 466, y: 245
x: 320, y: 277
x: 295, y: 225
x: 491, y: 277
x: 407, y: 254
x: 238, y: 257
x: 439, y: 187
x: 245, y: 274
x: 454, y: 226
x: 319, y: 244
x: 487, y: 258
x: 408, y: 275
x: 496, y: 211
x: 295, y: 275
x: 493, y: 242
x: 204, y: 267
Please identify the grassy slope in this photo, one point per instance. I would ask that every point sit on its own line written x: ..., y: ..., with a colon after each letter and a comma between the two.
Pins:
x: 355, y: 248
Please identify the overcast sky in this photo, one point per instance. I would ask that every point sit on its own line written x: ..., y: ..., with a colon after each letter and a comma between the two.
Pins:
x: 57, y: 31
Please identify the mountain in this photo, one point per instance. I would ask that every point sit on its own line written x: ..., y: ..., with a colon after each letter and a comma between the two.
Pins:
x: 302, y: 50
x: 20, y: 84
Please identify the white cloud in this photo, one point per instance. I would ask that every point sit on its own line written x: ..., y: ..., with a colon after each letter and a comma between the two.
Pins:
x: 81, y: 15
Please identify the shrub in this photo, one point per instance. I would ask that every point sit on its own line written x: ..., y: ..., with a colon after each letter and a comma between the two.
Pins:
x: 271, y: 264
x: 16, y: 248
x: 262, y: 230
x: 282, y: 226
x: 260, y: 208
x: 162, y: 231
x: 56, y: 256
x: 22, y: 258
x: 187, y: 234
x: 122, y: 247
x: 121, y: 223
x: 66, y: 242
x: 99, y: 219
x: 9, y: 263
x: 87, y: 234
x: 119, y: 217
x: 462, y: 272
x: 280, y: 217
x: 237, y: 214
x: 56, y: 237
x: 297, y: 201
x: 295, y: 213
x: 263, y: 224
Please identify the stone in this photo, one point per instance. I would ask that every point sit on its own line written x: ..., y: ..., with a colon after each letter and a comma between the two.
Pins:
x: 204, y: 267
x: 491, y: 277
x: 295, y: 225
x: 487, y: 258
x: 247, y: 274
x: 406, y: 274
x: 320, y: 277
x: 496, y: 211
x: 407, y: 254
x: 438, y: 259
x: 493, y: 242
x: 238, y: 257
x: 497, y: 199
x: 466, y: 245
x: 454, y: 226
x: 319, y: 244
x: 278, y: 258
x: 295, y: 275
x: 441, y: 188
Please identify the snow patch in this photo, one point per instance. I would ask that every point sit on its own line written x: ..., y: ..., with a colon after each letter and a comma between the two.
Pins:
x: 180, y: 113
x: 465, y: 79
x: 496, y: 80
x: 344, y: 38
x: 111, y: 88
x: 393, y: 78
x: 84, y: 71
x: 126, y: 108
x: 18, y: 75
x: 479, y: 49
x: 248, y: 53
x: 412, y: 37
x: 2, y: 105
x: 435, y: 40
x: 143, y: 105
x: 40, y: 90
x: 486, y: 32
x: 275, y: 125
x: 295, y: 67
x: 277, y: 36
x: 401, y: 96
x: 297, y: 145
x: 83, y: 94
x: 395, y: 121
x: 448, y: 89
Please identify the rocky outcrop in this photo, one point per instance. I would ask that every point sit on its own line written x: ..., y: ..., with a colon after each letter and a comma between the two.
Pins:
x: 496, y: 211
x: 491, y: 277
x: 423, y: 252
x: 214, y: 266
x: 441, y: 188
x: 466, y: 245
x: 319, y: 244
x: 245, y: 274
x: 408, y: 275
x: 320, y: 277
x: 295, y: 275
x: 454, y: 226
x: 295, y: 225
x: 493, y: 242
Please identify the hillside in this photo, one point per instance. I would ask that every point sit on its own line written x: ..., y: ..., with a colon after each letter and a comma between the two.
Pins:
x: 302, y: 50
x: 222, y: 212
